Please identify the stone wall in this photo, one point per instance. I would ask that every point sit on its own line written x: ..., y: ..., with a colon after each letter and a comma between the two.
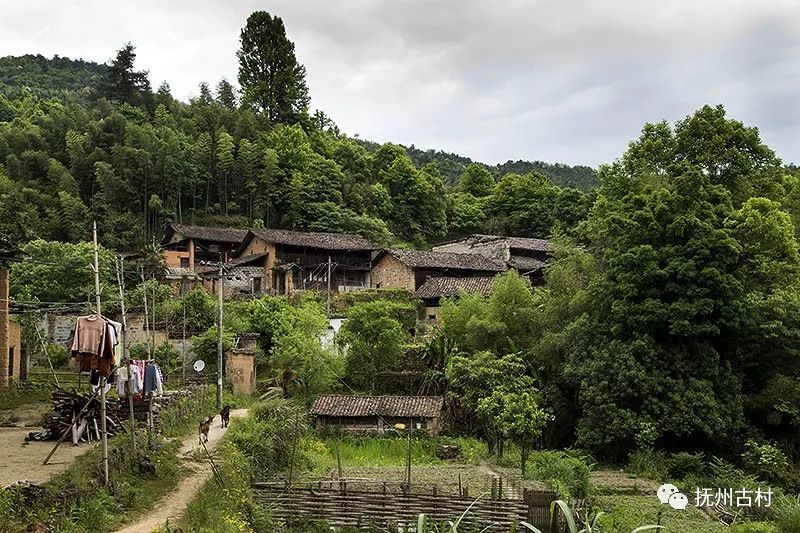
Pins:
x: 389, y: 272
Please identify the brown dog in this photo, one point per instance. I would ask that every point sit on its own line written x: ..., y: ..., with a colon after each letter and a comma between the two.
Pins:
x: 205, y: 425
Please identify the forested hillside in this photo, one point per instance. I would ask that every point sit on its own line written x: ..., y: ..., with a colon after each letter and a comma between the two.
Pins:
x: 48, y: 77
x: 81, y: 142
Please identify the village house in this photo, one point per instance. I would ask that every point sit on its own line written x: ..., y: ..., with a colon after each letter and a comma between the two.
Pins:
x: 432, y: 291
x: 378, y: 414
x: 527, y: 256
x: 186, y: 246
x: 277, y: 261
x: 410, y: 269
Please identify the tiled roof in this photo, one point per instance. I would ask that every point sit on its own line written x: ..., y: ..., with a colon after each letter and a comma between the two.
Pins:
x: 180, y: 273
x: 315, y: 239
x: 520, y: 243
x: 450, y: 287
x: 247, y: 259
x: 208, y: 233
x: 420, y: 259
x: 525, y: 264
x: 395, y: 406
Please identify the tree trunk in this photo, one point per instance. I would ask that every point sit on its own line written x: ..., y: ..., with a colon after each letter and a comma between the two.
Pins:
x: 524, y: 458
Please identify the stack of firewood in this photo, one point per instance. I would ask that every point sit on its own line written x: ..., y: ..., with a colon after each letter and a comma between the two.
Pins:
x: 66, y: 405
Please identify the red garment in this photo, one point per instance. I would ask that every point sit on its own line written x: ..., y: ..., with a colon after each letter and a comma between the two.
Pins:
x: 142, y: 365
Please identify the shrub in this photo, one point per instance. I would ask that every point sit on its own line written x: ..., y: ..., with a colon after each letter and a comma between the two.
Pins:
x: 562, y: 472
x: 649, y: 464
x: 787, y: 514
x: 766, y: 461
x: 684, y: 464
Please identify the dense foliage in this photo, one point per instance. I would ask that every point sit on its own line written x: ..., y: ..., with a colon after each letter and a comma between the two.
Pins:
x: 82, y: 142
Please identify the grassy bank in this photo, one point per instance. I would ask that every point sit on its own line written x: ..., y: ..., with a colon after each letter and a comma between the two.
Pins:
x: 76, y: 500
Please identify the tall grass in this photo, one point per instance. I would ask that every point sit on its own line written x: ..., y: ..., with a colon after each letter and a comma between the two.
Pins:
x: 384, y: 451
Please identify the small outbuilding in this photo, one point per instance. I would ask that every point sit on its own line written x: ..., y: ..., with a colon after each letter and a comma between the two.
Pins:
x: 378, y: 414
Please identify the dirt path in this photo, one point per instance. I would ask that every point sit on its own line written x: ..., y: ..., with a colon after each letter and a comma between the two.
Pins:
x: 20, y: 460
x: 173, y: 506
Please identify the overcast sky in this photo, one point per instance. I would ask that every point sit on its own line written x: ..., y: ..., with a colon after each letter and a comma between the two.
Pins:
x: 567, y: 81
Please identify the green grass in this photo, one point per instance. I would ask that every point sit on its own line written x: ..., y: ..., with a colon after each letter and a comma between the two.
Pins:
x: 76, y: 501
x: 15, y: 397
x: 625, y: 513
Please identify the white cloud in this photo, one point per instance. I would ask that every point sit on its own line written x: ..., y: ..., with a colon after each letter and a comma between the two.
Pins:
x: 569, y: 81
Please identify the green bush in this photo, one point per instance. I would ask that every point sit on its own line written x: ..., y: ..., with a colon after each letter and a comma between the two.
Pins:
x: 563, y: 472
x: 684, y: 464
x: 649, y: 464
x: 787, y: 514
x: 766, y: 461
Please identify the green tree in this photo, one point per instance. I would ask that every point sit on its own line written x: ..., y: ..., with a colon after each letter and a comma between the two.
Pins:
x: 476, y: 180
x: 270, y: 76
x: 60, y: 273
x: 374, y: 337
x: 513, y: 410
x: 123, y: 83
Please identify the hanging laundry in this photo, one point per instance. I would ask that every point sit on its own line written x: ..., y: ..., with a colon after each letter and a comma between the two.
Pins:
x: 142, y: 366
x: 152, y: 378
x: 122, y: 379
x: 92, y: 345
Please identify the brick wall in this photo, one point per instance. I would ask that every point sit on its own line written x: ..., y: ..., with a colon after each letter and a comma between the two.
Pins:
x: 391, y: 273
x: 15, y: 347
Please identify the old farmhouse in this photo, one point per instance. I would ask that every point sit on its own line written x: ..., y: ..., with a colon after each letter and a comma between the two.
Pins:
x: 432, y: 291
x: 280, y: 261
x: 378, y: 414
x: 410, y: 269
x: 185, y: 246
x: 527, y: 256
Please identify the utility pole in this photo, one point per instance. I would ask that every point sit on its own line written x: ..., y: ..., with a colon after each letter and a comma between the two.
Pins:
x: 328, y: 302
x: 4, y: 351
x: 129, y: 384
x: 183, y: 342
x: 102, y: 383
x: 220, y: 361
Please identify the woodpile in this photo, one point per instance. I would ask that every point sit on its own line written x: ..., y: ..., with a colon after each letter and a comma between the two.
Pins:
x: 66, y: 405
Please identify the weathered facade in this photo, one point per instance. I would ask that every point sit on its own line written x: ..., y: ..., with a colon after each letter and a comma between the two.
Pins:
x: 17, y: 368
x: 410, y: 269
x: 185, y: 246
x: 299, y: 260
x: 528, y: 256
x: 379, y: 414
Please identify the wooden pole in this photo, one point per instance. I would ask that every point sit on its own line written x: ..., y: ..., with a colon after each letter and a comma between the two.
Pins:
x: 146, y: 313
x: 102, y: 383
x: 4, y: 326
x: 408, y: 462
x: 47, y: 355
x: 183, y: 342
x: 129, y: 383
x: 338, y: 461
x: 328, y: 300
x: 220, y: 361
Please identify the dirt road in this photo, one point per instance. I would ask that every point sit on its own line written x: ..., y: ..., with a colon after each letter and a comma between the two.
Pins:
x: 173, y: 506
x: 20, y: 460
